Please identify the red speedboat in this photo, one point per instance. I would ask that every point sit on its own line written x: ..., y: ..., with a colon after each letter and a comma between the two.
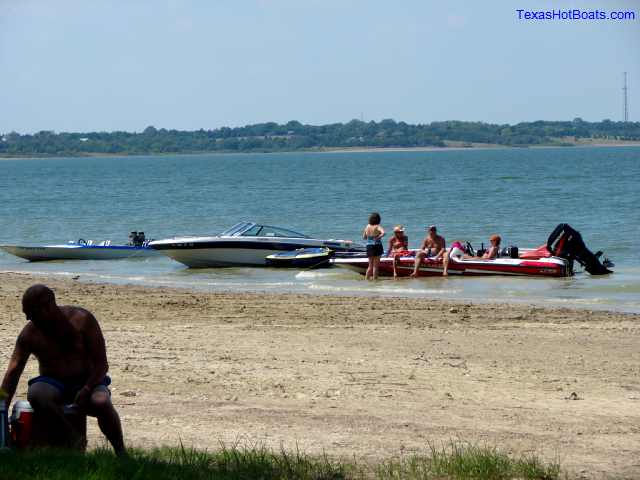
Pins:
x: 555, y: 259
x: 546, y: 267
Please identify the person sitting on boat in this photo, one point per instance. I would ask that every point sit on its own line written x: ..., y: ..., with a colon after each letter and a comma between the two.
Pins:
x: 492, y: 252
x: 457, y: 251
x: 373, y: 234
x: 432, y: 246
x: 398, y: 246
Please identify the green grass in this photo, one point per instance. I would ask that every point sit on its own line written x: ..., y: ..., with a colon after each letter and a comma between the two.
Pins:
x: 467, y: 462
x: 453, y: 462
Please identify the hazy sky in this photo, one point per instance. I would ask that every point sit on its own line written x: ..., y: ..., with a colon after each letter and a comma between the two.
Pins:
x: 90, y: 65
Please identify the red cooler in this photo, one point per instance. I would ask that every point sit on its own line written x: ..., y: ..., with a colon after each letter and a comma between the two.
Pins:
x: 27, y: 432
x: 21, y: 424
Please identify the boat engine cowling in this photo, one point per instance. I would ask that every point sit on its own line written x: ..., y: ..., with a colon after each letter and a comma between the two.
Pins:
x: 137, y: 239
x: 509, y: 252
x: 566, y: 242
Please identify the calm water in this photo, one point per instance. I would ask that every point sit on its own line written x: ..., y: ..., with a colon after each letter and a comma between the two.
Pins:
x: 520, y: 193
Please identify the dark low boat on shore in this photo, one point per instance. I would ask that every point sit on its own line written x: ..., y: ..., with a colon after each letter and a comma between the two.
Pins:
x: 302, y: 258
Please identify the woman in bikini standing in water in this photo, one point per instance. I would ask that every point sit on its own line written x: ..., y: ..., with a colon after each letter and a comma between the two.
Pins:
x: 373, y: 234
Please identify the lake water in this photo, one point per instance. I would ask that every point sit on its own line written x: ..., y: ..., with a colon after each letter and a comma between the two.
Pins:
x: 521, y: 194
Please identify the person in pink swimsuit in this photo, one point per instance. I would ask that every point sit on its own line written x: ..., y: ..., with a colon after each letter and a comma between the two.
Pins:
x: 456, y: 250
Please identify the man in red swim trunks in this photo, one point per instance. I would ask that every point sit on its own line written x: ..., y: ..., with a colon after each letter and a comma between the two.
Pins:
x: 70, y: 348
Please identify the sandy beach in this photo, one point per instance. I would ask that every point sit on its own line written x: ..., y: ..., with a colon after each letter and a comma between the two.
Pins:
x: 369, y: 377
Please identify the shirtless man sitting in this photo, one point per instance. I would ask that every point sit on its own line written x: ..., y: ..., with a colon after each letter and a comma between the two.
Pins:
x: 70, y: 348
x: 432, y: 246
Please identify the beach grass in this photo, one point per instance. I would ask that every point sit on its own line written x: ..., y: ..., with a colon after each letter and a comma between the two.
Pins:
x: 455, y: 461
x: 461, y: 461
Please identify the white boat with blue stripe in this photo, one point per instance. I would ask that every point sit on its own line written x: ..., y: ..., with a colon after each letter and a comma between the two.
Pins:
x: 84, y: 250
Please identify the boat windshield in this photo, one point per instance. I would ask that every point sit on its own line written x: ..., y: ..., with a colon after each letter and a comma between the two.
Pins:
x: 237, y: 229
x: 250, y: 229
x: 268, y: 231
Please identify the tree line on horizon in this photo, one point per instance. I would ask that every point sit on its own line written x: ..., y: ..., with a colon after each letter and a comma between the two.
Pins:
x: 295, y: 136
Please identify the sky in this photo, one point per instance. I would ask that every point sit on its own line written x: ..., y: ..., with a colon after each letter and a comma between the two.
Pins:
x: 106, y: 65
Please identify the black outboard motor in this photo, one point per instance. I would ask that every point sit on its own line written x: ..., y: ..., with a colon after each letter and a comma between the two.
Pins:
x: 567, y: 243
x: 137, y: 239
x: 510, y: 252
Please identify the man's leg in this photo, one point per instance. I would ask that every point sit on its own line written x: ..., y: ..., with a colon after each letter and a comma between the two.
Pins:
x: 47, y: 403
x: 108, y: 419
x: 445, y: 263
x: 419, y: 256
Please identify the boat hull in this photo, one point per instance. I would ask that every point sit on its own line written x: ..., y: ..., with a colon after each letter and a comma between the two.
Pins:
x: 236, y: 251
x: 544, y: 267
x: 77, y: 252
x: 302, y: 258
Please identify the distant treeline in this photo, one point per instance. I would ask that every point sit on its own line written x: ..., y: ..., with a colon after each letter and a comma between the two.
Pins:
x: 272, y: 137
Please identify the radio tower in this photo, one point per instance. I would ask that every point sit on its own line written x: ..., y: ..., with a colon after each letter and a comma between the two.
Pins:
x: 626, y: 100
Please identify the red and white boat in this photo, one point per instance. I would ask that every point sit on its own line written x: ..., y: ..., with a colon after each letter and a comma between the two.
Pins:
x: 541, y: 267
x: 555, y: 259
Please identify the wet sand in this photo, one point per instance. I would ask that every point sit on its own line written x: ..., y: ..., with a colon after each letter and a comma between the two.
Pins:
x: 361, y: 376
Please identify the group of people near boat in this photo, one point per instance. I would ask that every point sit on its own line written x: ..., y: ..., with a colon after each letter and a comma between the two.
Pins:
x: 433, y: 247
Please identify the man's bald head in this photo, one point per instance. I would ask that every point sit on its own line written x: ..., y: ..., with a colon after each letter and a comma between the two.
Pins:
x: 39, y: 306
x: 38, y: 294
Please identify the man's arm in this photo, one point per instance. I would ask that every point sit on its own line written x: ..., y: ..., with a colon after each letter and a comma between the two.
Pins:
x: 19, y: 357
x: 96, y: 349
x: 442, y: 250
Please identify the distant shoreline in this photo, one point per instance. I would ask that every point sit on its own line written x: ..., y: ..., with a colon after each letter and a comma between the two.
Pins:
x: 474, y: 147
x: 293, y: 136
x: 453, y: 147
